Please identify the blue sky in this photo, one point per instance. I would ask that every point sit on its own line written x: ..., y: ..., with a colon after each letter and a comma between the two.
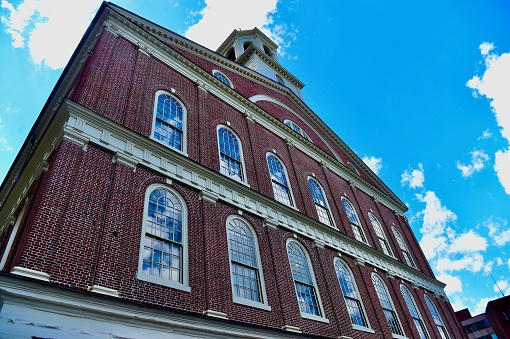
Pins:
x: 419, y: 90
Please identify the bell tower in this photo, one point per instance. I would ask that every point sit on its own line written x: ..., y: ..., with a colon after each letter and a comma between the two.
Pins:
x: 255, y: 50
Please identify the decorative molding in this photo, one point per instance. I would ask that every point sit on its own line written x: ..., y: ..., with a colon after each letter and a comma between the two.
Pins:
x: 390, y: 275
x: 359, y: 262
x: 270, y: 223
x: 76, y: 138
x: 125, y: 160
x: 344, y: 337
x: 26, y: 272
x: 208, y: 196
x: 215, y: 314
x: 293, y: 329
x: 104, y: 290
x: 319, y: 243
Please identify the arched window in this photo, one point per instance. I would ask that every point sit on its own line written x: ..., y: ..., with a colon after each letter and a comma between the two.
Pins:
x: 281, y: 187
x: 163, y: 249
x: 247, y: 45
x: 304, y: 281
x: 351, y: 295
x: 231, y: 54
x: 352, y: 168
x: 297, y: 129
x: 437, y: 319
x: 415, y: 314
x: 231, y: 160
x: 245, y: 267
x: 403, y: 247
x: 387, y: 305
x: 380, y: 234
x: 223, y: 78
x: 354, y: 220
x: 169, y: 121
x: 321, y: 204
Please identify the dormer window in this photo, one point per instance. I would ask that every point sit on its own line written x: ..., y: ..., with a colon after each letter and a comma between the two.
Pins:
x: 352, y: 168
x: 222, y: 77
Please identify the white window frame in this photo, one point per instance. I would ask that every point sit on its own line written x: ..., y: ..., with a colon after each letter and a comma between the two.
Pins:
x: 239, y: 300
x: 426, y: 297
x: 184, y: 150
x: 402, y: 288
x: 291, y: 195
x: 352, y: 168
x: 355, y: 326
x: 302, y: 133
x: 321, y: 317
x: 357, y: 217
x: 328, y: 209
x: 408, y: 260
x: 385, y: 238
x: 396, y: 336
x: 244, y: 179
x: 215, y: 71
x: 184, y: 285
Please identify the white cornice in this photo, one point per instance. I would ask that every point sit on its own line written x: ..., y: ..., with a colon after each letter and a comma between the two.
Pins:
x: 166, y: 162
x: 55, y: 300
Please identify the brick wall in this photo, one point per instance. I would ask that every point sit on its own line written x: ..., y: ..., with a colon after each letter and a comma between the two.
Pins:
x: 84, y: 224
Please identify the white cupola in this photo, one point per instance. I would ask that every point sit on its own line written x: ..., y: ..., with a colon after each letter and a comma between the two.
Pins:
x: 255, y: 50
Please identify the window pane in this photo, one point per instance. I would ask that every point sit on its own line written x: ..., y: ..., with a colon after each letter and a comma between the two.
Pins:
x: 279, y: 180
x: 169, y: 121
x: 350, y: 294
x: 387, y: 306
x: 303, y: 281
x: 320, y: 202
x: 230, y: 154
x: 163, y: 236
x: 244, y: 264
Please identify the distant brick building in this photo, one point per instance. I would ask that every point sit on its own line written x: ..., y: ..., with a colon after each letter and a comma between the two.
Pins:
x: 494, y: 323
x: 167, y: 190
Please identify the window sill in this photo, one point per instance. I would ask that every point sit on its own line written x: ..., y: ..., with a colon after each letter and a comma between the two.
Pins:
x: 314, y: 317
x: 163, y: 282
x: 251, y: 303
x: 397, y: 336
x: 362, y: 328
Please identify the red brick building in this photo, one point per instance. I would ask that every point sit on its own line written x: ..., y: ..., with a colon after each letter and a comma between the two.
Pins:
x: 167, y: 190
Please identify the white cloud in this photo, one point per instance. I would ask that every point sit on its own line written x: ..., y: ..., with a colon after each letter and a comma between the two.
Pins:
x: 53, y: 28
x: 478, y: 160
x: 481, y: 306
x: 485, y: 135
x: 375, y: 164
x: 4, y: 146
x: 415, y: 178
x: 498, y: 230
x: 499, y: 261
x: 494, y: 84
x: 218, y: 21
x: 467, y: 243
x: 472, y: 262
x: 486, y: 47
x: 502, y: 168
x: 453, y: 284
x: 435, y: 215
x: 502, y: 285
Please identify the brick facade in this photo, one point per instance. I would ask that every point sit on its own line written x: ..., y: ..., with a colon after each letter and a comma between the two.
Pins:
x: 84, y: 216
